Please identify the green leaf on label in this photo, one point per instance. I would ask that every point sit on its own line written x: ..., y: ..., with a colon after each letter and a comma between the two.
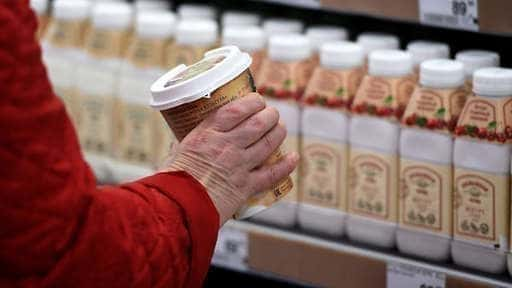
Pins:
x: 421, y: 121
x: 287, y: 83
x: 340, y: 91
x: 440, y: 112
x: 471, y: 129
x: 492, y: 125
x: 388, y: 99
x: 270, y: 91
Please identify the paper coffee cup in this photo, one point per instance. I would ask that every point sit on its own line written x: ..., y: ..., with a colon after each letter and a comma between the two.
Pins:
x: 186, y: 95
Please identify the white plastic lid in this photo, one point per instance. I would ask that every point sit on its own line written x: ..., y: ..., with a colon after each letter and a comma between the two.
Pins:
x: 196, y: 32
x: 196, y: 11
x: 159, y: 5
x: 319, y: 35
x: 341, y: 54
x: 155, y: 24
x: 238, y: 18
x: 71, y: 10
x: 226, y: 63
x: 389, y: 63
x: 442, y: 73
x: 372, y: 41
x: 476, y: 59
x: 425, y: 50
x: 248, y: 39
x: 494, y: 82
x: 289, y: 114
x: 374, y: 133
x: 424, y: 145
x: 324, y: 123
x: 278, y: 26
x: 39, y: 6
x: 289, y: 47
x: 112, y: 15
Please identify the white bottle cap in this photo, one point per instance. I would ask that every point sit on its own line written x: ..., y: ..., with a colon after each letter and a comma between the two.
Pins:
x: 71, y: 10
x: 389, y: 63
x: 319, y: 35
x: 237, y: 18
x: 289, y: 47
x: 425, y: 50
x: 155, y: 24
x: 372, y: 41
x: 248, y: 39
x: 442, y: 73
x: 476, y: 59
x: 39, y: 6
x: 278, y: 26
x: 495, y: 82
x: 196, y: 32
x: 144, y: 5
x: 341, y: 54
x: 196, y: 11
x: 112, y: 15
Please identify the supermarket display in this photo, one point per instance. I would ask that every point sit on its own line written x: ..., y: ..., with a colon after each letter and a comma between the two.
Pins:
x: 197, y: 12
x: 40, y: 7
x: 426, y: 149
x: 371, y: 41
x: 320, y: 35
x: 374, y: 136
x: 238, y: 19
x: 186, y: 95
x: 474, y: 60
x: 279, y: 26
x: 482, y: 173
x: 422, y: 50
x: 151, y: 5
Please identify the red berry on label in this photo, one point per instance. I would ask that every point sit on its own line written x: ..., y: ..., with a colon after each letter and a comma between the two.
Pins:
x: 261, y: 90
x: 501, y: 137
x: 431, y: 123
x: 508, y: 131
x: 491, y: 136
x: 381, y: 111
x: 410, y: 120
x: 281, y: 94
x: 459, y: 130
x: 310, y: 100
x: 482, y: 133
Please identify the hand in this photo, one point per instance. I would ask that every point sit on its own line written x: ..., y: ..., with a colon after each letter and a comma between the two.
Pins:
x: 226, y: 150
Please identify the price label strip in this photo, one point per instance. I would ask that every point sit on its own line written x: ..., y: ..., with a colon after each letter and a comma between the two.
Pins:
x: 232, y: 249
x: 457, y: 14
x: 409, y: 276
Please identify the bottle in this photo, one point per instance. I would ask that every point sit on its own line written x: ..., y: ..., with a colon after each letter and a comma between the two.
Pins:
x: 193, y: 38
x: 97, y: 83
x: 239, y: 18
x: 422, y: 50
x: 282, y: 79
x: 324, y: 127
x: 319, y: 35
x: 62, y: 50
x: 196, y: 11
x: 474, y: 60
x: 426, y: 150
x: 40, y: 7
x: 371, y: 41
x: 140, y: 130
x: 151, y: 5
x: 280, y: 26
x: 249, y: 39
x: 482, y: 173
x: 373, y: 136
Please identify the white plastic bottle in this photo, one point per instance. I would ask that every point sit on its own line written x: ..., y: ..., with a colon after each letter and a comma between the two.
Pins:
x: 151, y: 5
x: 482, y: 173
x: 280, y: 26
x: 97, y: 83
x: 286, y: 72
x: 196, y: 11
x: 62, y: 50
x: 239, y: 18
x: 320, y: 35
x: 374, y: 136
x: 371, y: 41
x: 138, y: 138
x: 422, y: 50
x: 474, y: 60
x: 426, y: 150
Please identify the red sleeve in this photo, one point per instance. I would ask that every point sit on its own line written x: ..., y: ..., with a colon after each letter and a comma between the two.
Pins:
x: 57, y: 229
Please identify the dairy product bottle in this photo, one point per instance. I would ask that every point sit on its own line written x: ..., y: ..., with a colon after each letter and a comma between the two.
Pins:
x: 474, y: 60
x: 249, y: 39
x: 97, y: 83
x: 196, y: 11
x: 151, y: 5
x: 373, y: 136
x: 280, y: 26
x: 482, y: 173
x: 282, y: 79
x: 239, y: 18
x: 140, y: 127
x: 320, y: 35
x: 324, y: 129
x: 40, y: 7
x: 193, y: 38
x: 62, y: 50
x: 426, y: 149
x: 371, y: 41
x: 422, y: 50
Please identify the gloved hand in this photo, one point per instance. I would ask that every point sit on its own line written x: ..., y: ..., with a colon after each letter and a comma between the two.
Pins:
x: 226, y: 150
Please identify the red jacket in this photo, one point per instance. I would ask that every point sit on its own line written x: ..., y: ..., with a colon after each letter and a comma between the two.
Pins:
x: 57, y: 228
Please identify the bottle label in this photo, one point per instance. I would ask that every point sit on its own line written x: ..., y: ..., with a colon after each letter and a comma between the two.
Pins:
x: 324, y: 173
x: 69, y: 97
x: 136, y: 139
x: 486, y: 119
x: 383, y: 97
x: 481, y: 207
x: 96, y: 125
x: 373, y: 190
x: 425, y: 196
x: 66, y: 34
x: 333, y: 88
x: 147, y: 53
x: 106, y: 43
x: 435, y: 109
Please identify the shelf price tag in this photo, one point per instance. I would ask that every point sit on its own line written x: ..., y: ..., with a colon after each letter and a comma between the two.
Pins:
x: 232, y: 249
x: 405, y: 275
x: 457, y: 14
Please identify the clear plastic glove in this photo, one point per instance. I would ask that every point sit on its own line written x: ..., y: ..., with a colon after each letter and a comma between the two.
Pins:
x: 226, y: 150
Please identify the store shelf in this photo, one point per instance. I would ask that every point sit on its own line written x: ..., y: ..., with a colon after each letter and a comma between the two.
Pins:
x: 312, y: 4
x: 240, y: 234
